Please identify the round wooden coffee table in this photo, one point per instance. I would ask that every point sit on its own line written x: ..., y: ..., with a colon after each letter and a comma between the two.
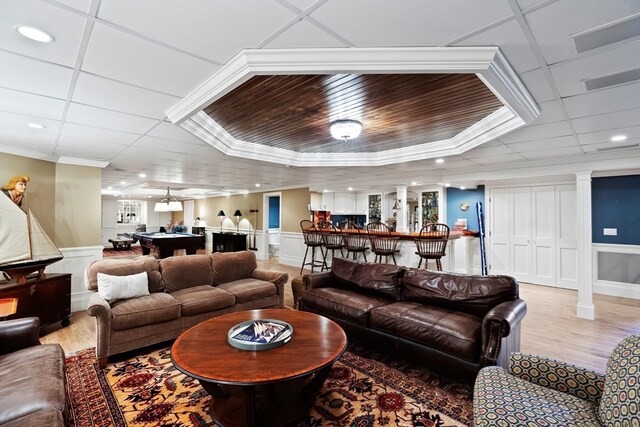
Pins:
x: 272, y: 387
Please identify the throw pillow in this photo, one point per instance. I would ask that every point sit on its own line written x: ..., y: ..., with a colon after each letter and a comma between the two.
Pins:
x: 114, y: 288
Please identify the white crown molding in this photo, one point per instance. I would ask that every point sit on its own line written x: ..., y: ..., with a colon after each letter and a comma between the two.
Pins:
x: 83, y: 162
x: 52, y: 158
x: 488, y: 63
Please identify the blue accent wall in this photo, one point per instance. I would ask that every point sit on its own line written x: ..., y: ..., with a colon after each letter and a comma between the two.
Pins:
x: 274, y: 212
x: 615, y: 203
x: 455, y: 196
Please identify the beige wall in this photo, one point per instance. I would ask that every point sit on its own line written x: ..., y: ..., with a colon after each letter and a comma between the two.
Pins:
x: 294, y: 208
x: 64, y: 198
x: 78, y: 206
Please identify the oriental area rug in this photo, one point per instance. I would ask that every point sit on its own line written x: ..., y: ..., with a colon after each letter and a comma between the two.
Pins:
x: 364, y: 388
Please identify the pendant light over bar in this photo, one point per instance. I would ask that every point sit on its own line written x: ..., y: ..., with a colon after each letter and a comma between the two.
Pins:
x: 168, y: 204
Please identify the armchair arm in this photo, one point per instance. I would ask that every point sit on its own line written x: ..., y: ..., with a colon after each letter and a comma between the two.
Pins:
x: 317, y: 280
x: 101, y: 310
x: 278, y: 278
x: 500, y: 322
x: 18, y: 334
x: 579, y: 382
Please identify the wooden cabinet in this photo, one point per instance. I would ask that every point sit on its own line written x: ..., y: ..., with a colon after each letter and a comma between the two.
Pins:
x: 48, y: 298
x: 228, y: 242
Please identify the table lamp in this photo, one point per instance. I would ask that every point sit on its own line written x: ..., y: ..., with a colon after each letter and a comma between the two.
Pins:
x: 237, y: 214
x: 221, y: 215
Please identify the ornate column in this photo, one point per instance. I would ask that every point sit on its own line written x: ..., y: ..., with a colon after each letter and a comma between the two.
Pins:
x: 401, y: 219
x: 585, y: 308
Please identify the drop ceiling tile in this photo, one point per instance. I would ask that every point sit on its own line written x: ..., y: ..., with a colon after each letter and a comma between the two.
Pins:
x: 632, y: 132
x: 304, y: 34
x: 568, y: 76
x: 481, y: 152
x: 607, y: 121
x: 120, y: 56
x: 66, y: 27
x: 602, y: 101
x: 512, y: 42
x: 505, y: 159
x: 554, y: 154
x: 549, y: 144
x: 151, y: 143
x: 108, y: 94
x: 33, y: 76
x: 551, y: 111
x: 544, y: 131
x: 26, y: 140
x: 525, y: 4
x: 19, y: 122
x: 553, y: 24
x: 81, y: 148
x: 214, y: 30
x: 538, y: 85
x: 98, y: 135
x: 106, y: 119
x: 30, y: 104
x: 81, y: 5
x: 168, y: 130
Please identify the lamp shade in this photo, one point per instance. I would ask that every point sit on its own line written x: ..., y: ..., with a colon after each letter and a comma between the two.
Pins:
x: 168, y: 204
x: 221, y: 213
x: 237, y: 213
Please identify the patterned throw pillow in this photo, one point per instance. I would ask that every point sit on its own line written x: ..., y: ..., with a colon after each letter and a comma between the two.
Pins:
x: 620, y: 404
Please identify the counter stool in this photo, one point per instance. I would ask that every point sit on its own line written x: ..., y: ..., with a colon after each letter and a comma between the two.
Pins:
x: 313, y: 239
x: 383, y: 244
x: 355, y: 239
x: 332, y: 241
x: 431, y: 244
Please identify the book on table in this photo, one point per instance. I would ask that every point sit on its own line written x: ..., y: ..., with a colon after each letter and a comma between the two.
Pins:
x: 260, y: 334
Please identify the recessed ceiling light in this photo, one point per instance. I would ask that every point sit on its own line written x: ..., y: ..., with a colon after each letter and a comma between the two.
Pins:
x: 142, y: 175
x: 350, y: 189
x: 109, y: 188
x: 414, y: 183
x: 463, y: 188
x: 439, y: 160
x: 123, y: 182
x: 618, y: 138
x: 34, y: 34
x: 447, y: 185
x: 257, y: 184
x: 325, y: 190
x: 36, y: 125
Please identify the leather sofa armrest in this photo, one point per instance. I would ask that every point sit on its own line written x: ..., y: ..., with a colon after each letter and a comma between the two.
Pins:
x: 500, y: 322
x: 101, y: 310
x: 278, y: 278
x: 317, y: 280
x: 574, y: 380
x: 18, y: 334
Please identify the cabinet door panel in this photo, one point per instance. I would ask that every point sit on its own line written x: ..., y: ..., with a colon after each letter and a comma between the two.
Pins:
x: 521, y: 232
x: 543, y: 235
x: 566, y: 237
x: 500, y: 238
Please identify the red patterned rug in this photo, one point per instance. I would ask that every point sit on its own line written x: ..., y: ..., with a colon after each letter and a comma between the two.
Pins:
x: 364, y: 388
x: 134, y: 251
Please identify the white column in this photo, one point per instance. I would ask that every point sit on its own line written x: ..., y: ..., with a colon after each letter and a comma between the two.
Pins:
x: 401, y: 219
x: 585, y: 308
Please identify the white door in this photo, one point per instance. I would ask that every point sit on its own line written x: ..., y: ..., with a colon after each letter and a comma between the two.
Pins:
x: 566, y: 237
x: 543, y: 235
x: 521, y: 233
x: 188, y: 217
x: 500, y: 232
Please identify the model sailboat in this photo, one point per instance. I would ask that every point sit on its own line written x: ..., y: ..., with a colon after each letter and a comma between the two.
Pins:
x: 24, y: 246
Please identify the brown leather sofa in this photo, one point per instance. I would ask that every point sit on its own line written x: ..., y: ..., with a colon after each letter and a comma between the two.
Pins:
x: 184, y: 291
x: 453, y: 323
x: 32, y: 377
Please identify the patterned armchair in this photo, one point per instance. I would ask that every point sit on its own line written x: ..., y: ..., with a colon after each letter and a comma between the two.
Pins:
x: 542, y: 392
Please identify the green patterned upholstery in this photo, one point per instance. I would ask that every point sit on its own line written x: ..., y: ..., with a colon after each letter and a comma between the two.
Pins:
x: 619, y: 404
x: 543, y: 392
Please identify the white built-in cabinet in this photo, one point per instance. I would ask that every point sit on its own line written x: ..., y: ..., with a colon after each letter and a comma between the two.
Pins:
x: 345, y: 202
x: 532, y: 234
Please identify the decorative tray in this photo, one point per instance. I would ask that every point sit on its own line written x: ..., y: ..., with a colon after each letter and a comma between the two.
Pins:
x: 261, y: 334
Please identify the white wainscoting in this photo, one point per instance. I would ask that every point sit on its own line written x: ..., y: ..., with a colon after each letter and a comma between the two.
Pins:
x: 630, y: 265
x: 74, y: 262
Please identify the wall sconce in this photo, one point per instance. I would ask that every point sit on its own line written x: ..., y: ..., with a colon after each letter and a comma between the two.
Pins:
x: 237, y: 214
x: 221, y: 215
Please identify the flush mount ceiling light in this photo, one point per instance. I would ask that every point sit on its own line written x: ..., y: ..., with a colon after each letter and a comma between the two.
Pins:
x: 619, y: 138
x: 345, y: 129
x: 168, y: 204
x: 34, y: 34
x: 36, y: 126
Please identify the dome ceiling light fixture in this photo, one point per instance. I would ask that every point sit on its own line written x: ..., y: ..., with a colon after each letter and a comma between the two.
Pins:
x: 345, y: 129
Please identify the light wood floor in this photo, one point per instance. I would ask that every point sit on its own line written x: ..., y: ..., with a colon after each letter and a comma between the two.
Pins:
x: 550, y: 327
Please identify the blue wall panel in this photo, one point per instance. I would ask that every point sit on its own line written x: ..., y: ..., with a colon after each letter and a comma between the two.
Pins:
x: 615, y: 203
x: 274, y: 212
x: 455, y: 197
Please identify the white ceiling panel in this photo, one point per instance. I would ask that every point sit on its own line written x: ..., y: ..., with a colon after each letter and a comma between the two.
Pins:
x: 525, y: 4
x: 544, y: 131
x: 79, y: 148
x: 19, y: 122
x: 81, y: 5
x: 111, y: 95
x: 149, y: 65
x: 557, y: 152
x: 602, y: 101
x: 30, y: 104
x: 27, y: 140
x: 569, y: 76
x: 553, y: 24
x: 551, y: 111
x: 300, y: 4
x: 168, y: 130
x: 503, y: 159
x: 632, y: 132
x: 480, y: 152
x: 214, y: 30
x: 151, y: 143
x: 304, y: 34
x: 33, y: 76
x: 538, y: 86
x: 415, y: 23
x: 607, y: 121
x: 66, y: 27
x: 543, y: 144
x: 89, y: 134
x: 106, y: 119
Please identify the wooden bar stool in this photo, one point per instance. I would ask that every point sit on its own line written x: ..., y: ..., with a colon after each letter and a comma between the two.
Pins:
x: 431, y: 243
x: 355, y: 239
x: 313, y: 239
x: 331, y: 241
x: 383, y: 244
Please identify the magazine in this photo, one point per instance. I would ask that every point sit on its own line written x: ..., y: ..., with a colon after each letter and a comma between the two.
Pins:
x: 262, y: 332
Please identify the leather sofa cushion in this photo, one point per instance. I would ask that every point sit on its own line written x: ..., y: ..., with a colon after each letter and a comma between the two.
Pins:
x: 351, y: 305
x: 180, y: 272
x: 231, y: 266
x: 452, y: 332
x: 471, y: 294
x: 32, y: 380
x: 202, y: 299
x: 249, y: 289
x: 124, y: 267
x: 148, y: 310
x: 384, y: 279
x: 45, y: 417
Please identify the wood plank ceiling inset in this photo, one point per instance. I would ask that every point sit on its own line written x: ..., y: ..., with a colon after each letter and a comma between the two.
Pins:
x: 293, y: 112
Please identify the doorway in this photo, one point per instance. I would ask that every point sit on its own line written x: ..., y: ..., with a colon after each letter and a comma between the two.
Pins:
x: 272, y: 223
